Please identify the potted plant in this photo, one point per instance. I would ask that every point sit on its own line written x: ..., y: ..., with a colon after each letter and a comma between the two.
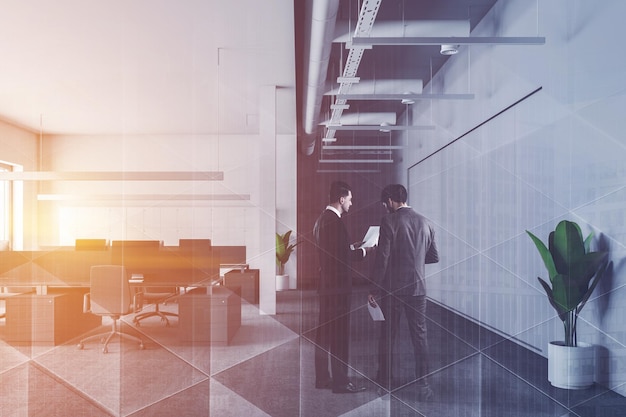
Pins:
x: 284, y: 248
x: 574, y: 273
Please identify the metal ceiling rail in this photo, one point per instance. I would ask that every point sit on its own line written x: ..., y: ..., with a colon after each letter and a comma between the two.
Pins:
x: 367, y: 16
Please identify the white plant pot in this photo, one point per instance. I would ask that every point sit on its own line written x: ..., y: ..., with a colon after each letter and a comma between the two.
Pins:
x: 282, y: 282
x: 571, y: 367
x: 293, y: 283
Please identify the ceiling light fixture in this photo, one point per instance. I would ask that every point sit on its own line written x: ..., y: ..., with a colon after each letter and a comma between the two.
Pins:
x: 448, y: 49
x: 112, y: 176
x: 408, y: 100
x: 385, y: 127
x: 141, y: 197
x: 356, y: 161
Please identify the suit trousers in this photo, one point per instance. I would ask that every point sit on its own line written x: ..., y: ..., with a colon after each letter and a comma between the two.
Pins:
x: 414, y: 308
x: 332, y: 337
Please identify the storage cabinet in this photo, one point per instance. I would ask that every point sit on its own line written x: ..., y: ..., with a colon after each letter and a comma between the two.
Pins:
x: 247, y: 280
x: 209, y: 315
x: 52, y: 318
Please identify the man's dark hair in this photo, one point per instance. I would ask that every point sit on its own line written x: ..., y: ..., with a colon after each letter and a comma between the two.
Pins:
x: 396, y: 192
x: 338, y: 189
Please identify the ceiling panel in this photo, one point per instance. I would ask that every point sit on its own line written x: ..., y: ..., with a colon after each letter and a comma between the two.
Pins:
x: 376, y: 64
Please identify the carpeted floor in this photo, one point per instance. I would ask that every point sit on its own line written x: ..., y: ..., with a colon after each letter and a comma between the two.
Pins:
x: 267, y: 370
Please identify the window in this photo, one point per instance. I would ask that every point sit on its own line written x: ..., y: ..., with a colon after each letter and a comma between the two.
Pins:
x: 5, y: 206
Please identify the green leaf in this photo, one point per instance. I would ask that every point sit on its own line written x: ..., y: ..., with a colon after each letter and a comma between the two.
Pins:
x: 599, y: 275
x: 545, y: 255
x: 566, y: 246
x: 560, y: 311
x: 566, y: 294
x: 583, y: 270
x: 283, y: 247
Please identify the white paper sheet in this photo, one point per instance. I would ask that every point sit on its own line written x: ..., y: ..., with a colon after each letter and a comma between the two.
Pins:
x: 371, y: 237
x: 375, y: 312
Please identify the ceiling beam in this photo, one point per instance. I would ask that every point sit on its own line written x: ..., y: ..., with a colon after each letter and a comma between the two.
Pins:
x: 356, y: 171
x: 400, y: 97
x: 453, y: 40
x: 378, y: 127
x: 357, y: 161
x: 361, y: 147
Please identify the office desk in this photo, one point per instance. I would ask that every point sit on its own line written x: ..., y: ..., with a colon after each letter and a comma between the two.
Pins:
x: 54, y: 318
x: 209, y: 315
x: 61, y: 276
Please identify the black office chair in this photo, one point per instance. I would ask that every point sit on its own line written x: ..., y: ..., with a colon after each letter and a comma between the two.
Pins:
x: 109, y: 296
x: 156, y: 296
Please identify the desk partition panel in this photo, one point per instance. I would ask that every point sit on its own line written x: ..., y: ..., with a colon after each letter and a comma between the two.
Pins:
x: 58, y: 267
x: 70, y: 267
x: 231, y: 255
x: 189, y: 265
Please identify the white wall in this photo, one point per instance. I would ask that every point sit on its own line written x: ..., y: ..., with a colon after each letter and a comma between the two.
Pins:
x: 118, y: 216
x: 109, y: 210
x: 559, y: 154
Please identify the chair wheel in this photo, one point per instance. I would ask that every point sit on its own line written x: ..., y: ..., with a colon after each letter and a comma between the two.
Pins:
x: 105, y: 350
x: 141, y: 346
x: 81, y: 346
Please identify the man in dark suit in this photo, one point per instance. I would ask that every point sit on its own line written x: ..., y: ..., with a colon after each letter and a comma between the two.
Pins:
x: 335, y: 255
x: 405, y: 244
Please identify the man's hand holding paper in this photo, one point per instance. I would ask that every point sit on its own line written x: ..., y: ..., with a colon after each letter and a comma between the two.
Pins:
x: 371, y: 237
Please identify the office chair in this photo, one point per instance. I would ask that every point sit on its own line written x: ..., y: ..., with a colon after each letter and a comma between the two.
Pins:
x: 109, y: 296
x: 156, y: 296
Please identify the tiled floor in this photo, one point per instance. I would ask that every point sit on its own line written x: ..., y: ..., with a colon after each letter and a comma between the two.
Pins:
x: 267, y: 370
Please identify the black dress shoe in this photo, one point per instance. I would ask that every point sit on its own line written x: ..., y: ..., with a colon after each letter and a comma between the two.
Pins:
x: 328, y: 384
x: 349, y: 388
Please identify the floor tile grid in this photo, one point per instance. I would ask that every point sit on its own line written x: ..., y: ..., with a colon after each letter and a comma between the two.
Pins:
x: 542, y: 387
x: 507, y: 359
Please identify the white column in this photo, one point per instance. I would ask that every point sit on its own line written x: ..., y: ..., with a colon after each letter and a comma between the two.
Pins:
x: 267, y: 200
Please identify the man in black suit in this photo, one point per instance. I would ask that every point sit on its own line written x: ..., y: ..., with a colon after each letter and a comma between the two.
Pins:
x: 335, y: 254
x: 405, y: 244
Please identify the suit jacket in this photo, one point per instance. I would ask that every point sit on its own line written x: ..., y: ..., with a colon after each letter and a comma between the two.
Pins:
x: 334, y: 253
x: 405, y: 244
